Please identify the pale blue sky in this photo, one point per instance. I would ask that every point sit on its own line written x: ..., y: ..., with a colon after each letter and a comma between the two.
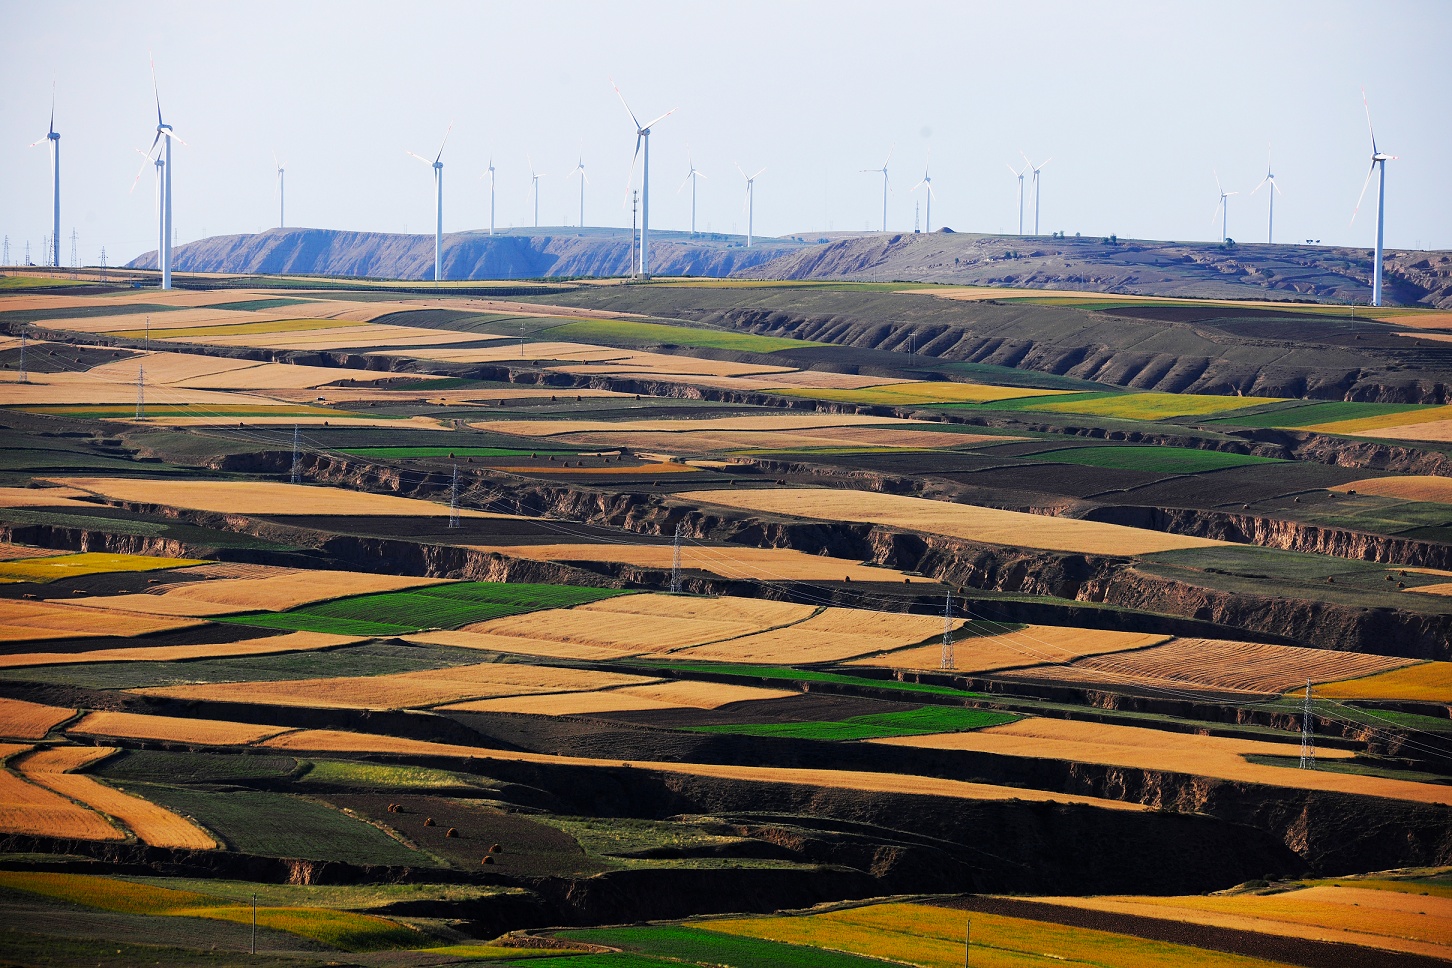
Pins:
x: 1136, y: 103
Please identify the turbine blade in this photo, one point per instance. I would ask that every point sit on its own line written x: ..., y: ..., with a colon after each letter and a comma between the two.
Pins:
x: 754, y: 177
x: 448, y: 131
x: 684, y: 183
x: 174, y: 136
x: 1218, y: 187
x: 1369, y: 172
x: 633, y: 118
x: 1261, y: 185
x: 157, y: 91
x: 738, y: 168
x: 1011, y: 168
x: 52, y: 107
x: 661, y: 118
x: 144, y: 165
x: 1369, y: 128
x: 1216, y: 215
x: 419, y: 157
x: 889, y: 155
x: 701, y: 174
x: 638, y: 139
x: 44, y: 140
x: 1276, y: 187
x: 1027, y: 163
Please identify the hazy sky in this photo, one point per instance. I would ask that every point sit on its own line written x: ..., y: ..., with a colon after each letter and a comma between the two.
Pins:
x: 1136, y: 103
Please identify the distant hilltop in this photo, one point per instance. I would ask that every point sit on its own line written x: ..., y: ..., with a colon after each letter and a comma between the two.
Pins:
x: 1194, y: 269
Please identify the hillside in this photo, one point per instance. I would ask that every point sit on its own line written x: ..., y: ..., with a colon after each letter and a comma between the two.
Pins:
x: 1195, y: 269
x: 511, y: 254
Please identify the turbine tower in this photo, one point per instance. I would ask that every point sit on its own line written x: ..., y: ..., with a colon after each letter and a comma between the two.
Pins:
x: 1269, y: 179
x: 1222, y: 211
x: 1377, y: 158
x: 281, y: 195
x: 490, y: 172
x: 160, y: 195
x: 438, y: 166
x: 164, y: 137
x: 1035, y: 169
x: 750, y: 201
x: 883, y: 169
x: 927, y: 183
x: 691, y: 177
x: 534, y: 177
x: 54, y: 138
x: 580, y: 168
x: 642, y: 134
x: 1019, y: 173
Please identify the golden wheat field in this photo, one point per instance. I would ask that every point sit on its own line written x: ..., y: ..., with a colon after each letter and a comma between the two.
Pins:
x: 752, y: 564
x: 1011, y: 648
x: 1423, y: 682
x: 37, y: 497
x: 404, y: 689
x: 176, y: 729
x: 662, y: 695
x: 269, y: 645
x: 726, y: 441
x: 640, y: 633
x: 520, y: 645
x: 988, y: 525
x: 1153, y: 749
x: 356, y: 336
x: 830, y: 636
x: 222, y: 596
x: 260, y: 497
x: 26, y: 808
x: 1435, y: 489
x: 30, y: 720
x: 1249, y: 667
x: 15, y: 552
x: 762, y: 613
x: 24, y: 621
x: 1388, y: 920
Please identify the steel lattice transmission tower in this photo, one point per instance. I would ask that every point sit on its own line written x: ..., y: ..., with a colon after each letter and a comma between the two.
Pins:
x: 676, y: 558
x: 24, y: 338
x: 296, y: 456
x: 1308, y: 736
x: 948, y: 660
x: 140, y: 391
x: 454, y: 499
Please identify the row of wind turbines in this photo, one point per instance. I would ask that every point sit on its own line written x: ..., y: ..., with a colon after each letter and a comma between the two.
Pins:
x: 159, y: 156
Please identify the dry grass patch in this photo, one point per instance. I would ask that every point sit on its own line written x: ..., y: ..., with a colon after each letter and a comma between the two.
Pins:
x: 663, y: 695
x: 30, y: 720
x: 1435, y: 489
x: 1407, y: 424
x: 24, y: 621
x: 751, y: 564
x: 832, y: 635
x: 988, y: 525
x: 1387, y: 920
x: 261, y: 497
x: 174, y: 729
x: 1135, y: 747
x: 270, y: 645
x: 15, y: 552
x: 1030, y: 645
x: 26, y: 808
x: 224, y: 596
x: 405, y: 689
x: 1423, y: 682
x: 1249, y: 667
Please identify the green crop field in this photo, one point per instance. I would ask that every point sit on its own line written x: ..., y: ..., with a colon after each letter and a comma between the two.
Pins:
x: 127, y: 412
x: 35, y: 282
x: 158, y: 766
x: 295, y: 828
x: 924, y: 392
x: 1143, y: 406
x: 629, y: 333
x: 433, y: 607
x: 256, y: 305
x: 1317, y: 413
x: 1162, y: 460
x: 416, y: 453
x: 912, y: 722
x: 696, y: 947
x: 56, y: 567
x: 380, y: 776
x: 788, y: 674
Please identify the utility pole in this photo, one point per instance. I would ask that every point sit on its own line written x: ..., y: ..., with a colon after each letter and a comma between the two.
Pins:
x: 676, y: 558
x: 947, y: 659
x: 967, y: 935
x: 1308, y: 737
x: 454, y: 499
x: 296, y: 457
x: 254, y: 924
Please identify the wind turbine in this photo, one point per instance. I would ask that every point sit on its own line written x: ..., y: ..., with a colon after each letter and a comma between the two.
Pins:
x: 750, y: 201
x: 160, y: 193
x: 642, y: 134
x: 534, y: 177
x: 883, y: 169
x: 54, y: 138
x: 927, y: 182
x: 1018, y: 173
x: 490, y: 172
x: 164, y: 137
x: 1036, y: 169
x: 1223, y: 209
x: 1377, y: 158
x: 1269, y: 179
x: 438, y: 166
x: 281, y: 196
x: 583, y: 179
x: 691, y: 177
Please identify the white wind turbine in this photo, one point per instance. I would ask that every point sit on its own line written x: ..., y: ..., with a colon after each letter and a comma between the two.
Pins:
x: 438, y: 166
x: 580, y: 168
x: 1377, y: 158
x: 1036, y: 169
x: 750, y: 201
x: 534, y: 177
x: 1019, y: 173
x: 883, y: 169
x: 1269, y: 179
x: 691, y: 177
x: 927, y: 183
x: 54, y: 138
x: 642, y: 134
x: 164, y: 137
x: 1222, y: 211
x: 490, y: 172
x: 281, y: 194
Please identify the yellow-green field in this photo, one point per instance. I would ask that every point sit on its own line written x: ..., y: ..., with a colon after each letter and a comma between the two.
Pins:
x: 85, y: 563
x: 922, y: 393
x: 1152, y: 406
